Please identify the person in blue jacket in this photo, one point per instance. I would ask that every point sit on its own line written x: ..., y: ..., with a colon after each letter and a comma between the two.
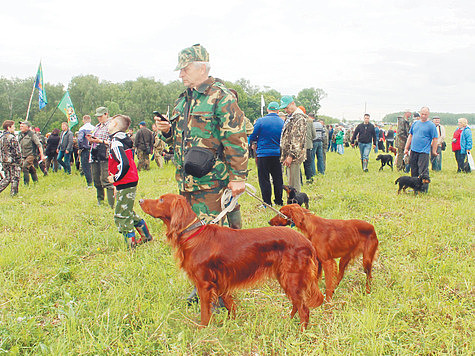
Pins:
x: 267, y: 132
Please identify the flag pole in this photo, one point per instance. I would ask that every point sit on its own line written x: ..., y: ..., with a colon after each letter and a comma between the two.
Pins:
x: 47, y: 121
x: 31, y: 97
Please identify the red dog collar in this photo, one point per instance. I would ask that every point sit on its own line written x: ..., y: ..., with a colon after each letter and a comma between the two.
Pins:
x: 195, y: 233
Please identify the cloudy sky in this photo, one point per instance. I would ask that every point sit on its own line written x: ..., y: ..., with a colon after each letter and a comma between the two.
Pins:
x: 388, y: 55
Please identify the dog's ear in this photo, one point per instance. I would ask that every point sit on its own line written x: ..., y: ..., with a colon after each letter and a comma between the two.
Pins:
x: 297, y: 213
x: 180, y: 211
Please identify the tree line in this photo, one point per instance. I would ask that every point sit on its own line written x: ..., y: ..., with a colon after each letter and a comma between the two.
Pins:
x: 135, y: 98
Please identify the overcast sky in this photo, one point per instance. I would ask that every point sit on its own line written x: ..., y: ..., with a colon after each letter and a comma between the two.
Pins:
x: 391, y: 55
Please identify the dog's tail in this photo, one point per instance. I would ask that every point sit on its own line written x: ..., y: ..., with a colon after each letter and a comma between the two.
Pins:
x: 313, y: 294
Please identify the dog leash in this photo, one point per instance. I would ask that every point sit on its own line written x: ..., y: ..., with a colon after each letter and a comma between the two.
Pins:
x: 228, y: 203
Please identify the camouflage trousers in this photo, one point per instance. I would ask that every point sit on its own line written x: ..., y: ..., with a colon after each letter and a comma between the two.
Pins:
x: 144, y: 160
x: 28, y: 167
x: 205, y: 203
x: 400, y: 144
x: 157, y: 152
x: 12, y: 175
x: 125, y: 217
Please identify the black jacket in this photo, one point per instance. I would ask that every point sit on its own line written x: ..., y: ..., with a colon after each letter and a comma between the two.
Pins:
x: 366, y: 133
x: 52, y: 145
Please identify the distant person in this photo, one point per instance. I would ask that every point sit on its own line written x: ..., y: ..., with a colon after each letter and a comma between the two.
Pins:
x: 318, y: 149
x: 309, y: 163
x: 390, y: 137
x: 144, y: 145
x: 376, y: 132
x: 30, y: 147
x: 422, y: 140
x: 123, y: 175
x: 100, y: 143
x: 292, y: 142
x: 85, y: 148
x: 462, y: 143
x: 267, y: 132
x: 10, y: 156
x: 159, y: 146
x: 366, y: 135
x: 436, y: 161
x: 51, y: 153
x: 339, y: 139
x: 403, y: 127
x: 65, y: 148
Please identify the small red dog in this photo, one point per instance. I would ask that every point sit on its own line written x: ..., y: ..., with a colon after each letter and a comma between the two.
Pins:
x: 393, y: 150
x: 333, y: 239
x: 219, y: 260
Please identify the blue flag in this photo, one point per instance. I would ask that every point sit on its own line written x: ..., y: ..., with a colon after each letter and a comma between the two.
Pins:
x: 42, y: 100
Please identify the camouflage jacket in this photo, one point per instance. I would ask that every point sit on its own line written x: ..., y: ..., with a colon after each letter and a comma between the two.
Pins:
x: 403, y: 127
x: 216, y: 122
x: 29, y: 143
x: 292, y: 141
x: 9, y: 148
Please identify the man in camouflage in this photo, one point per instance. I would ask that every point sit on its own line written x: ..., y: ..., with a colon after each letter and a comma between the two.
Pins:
x: 144, y: 145
x: 403, y: 127
x: 158, y: 146
x: 30, y: 146
x: 206, y: 115
x: 10, y: 156
x: 292, y: 142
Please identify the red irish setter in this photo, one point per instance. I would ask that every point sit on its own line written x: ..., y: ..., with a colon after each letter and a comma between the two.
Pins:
x: 332, y: 239
x: 219, y: 260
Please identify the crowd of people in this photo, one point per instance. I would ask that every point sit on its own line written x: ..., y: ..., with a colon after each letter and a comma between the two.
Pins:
x: 212, y: 139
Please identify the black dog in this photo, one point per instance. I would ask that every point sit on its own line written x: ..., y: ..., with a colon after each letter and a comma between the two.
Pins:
x: 416, y: 183
x: 385, y: 160
x: 294, y: 197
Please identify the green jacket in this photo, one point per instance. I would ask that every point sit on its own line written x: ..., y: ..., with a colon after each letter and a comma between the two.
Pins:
x: 216, y: 122
x: 339, y: 137
x: 29, y: 143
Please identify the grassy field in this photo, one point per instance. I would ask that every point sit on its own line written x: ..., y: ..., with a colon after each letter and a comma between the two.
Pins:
x: 69, y: 286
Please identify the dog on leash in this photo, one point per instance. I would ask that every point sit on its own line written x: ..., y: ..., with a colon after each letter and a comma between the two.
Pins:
x: 385, y: 160
x: 344, y: 239
x: 219, y: 260
x: 416, y: 183
x: 294, y: 197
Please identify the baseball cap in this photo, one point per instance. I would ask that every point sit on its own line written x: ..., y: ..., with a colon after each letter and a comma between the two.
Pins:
x: 436, y: 117
x: 416, y: 114
x: 273, y: 105
x: 195, y: 53
x: 101, y: 110
x: 285, y: 101
x: 142, y: 123
x: 27, y: 123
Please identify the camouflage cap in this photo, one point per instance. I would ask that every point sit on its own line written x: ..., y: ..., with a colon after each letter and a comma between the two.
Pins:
x: 195, y: 53
x: 101, y: 110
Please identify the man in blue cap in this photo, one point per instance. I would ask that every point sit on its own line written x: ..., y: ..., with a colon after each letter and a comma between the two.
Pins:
x: 267, y: 131
x: 292, y: 142
x: 144, y: 145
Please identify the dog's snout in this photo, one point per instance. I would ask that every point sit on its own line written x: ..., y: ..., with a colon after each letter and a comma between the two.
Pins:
x: 141, y: 201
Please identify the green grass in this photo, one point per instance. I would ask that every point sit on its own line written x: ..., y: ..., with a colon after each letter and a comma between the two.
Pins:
x: 69, y: 286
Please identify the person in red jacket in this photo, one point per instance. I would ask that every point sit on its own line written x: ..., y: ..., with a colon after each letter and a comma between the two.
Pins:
x: 123, y: 175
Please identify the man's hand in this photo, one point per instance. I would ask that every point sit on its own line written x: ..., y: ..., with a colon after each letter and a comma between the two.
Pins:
x: 163, y: 126
x: 353, y: 145
x: 406, y: 150
x: 434, y: 153
x: 374, y: 146
x: 110, y: 178
x: 67, y: 152
x: 288, y: 161
x: 237, y: 187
